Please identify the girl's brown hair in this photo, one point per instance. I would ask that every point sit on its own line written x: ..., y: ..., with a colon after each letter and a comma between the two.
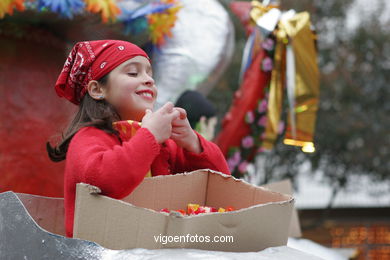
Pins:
x: 96, y: 113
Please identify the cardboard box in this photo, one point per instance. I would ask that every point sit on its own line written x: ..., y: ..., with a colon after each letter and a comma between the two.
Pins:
x: 285, y: 186
x: 261, y: 219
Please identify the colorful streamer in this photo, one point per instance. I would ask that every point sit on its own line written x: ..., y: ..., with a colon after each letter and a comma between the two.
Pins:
x: 7, y: 7
x: 136, y: 21
x: 157, y: 17
x: 161, y: 23
x: 108, y: 9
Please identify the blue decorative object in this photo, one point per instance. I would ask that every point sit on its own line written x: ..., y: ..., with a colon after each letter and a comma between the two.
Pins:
x: 65, y: 8
x: 135, y: 20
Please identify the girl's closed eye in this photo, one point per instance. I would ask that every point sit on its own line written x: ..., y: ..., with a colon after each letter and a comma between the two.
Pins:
x: 133, y: 74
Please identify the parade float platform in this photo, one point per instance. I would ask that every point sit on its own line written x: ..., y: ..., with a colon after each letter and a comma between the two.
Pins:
x: 32, y: 226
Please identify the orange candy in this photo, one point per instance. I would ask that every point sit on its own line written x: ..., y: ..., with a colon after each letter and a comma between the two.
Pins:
x: 195, y: 209
x: 183, y: 212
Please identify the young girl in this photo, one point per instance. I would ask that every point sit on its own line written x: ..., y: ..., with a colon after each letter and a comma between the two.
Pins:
x: 112, y: 81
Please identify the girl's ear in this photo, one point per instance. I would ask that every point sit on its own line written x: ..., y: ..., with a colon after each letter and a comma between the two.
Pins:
x: 96, y: 90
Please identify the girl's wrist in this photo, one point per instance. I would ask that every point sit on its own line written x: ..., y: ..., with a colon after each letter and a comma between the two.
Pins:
x: 194, y: 145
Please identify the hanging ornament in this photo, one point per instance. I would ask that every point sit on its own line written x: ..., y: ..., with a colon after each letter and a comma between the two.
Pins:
x: 291, y: 72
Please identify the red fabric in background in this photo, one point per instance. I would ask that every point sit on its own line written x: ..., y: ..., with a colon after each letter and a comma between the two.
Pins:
x: 30, y: 114
x: 246, y: 99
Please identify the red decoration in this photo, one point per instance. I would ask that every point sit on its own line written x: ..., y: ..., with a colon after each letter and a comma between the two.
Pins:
x: 246, y: 99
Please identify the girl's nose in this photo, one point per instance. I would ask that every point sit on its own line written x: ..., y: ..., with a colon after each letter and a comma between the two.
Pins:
x: 149, y: 81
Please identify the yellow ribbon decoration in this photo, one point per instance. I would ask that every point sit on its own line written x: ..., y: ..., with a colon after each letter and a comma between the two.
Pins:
x: 295, y: 31
x: 306, y: 79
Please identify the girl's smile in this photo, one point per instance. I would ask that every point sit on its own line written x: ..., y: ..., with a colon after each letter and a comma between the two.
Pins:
x: 146, y: 94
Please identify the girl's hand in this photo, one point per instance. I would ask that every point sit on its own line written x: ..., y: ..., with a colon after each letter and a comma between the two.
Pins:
x: 159, y: 123
x: 183, y: 134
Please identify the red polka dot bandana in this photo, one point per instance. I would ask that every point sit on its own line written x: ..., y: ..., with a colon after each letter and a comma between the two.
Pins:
x: 91, y: 60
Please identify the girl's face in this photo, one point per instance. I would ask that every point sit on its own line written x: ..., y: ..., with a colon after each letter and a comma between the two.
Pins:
x: 131, y: 89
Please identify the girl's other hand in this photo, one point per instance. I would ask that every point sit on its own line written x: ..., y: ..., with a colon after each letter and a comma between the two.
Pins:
x: 183, y: 134
x: 159, y: 123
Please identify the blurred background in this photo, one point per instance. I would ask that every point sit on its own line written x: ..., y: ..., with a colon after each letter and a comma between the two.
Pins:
x: 342, y: 187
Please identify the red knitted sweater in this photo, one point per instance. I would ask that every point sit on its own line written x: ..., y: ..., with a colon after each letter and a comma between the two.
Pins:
x: 98, y: 158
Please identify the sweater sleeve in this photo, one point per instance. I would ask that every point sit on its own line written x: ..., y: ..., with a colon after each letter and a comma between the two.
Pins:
x: 211, y: 158
x: 97, y: 158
